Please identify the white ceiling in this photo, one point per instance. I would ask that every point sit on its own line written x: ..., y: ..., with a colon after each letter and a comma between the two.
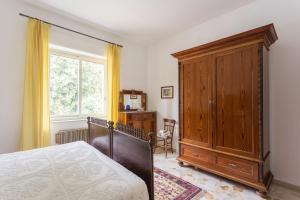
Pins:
x: 143, y: 21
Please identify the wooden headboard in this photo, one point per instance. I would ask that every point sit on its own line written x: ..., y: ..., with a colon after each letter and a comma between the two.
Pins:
x: 128, y: 146
x: 99, y: 135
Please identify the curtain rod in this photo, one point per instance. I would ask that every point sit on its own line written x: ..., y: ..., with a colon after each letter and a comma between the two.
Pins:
x: 23, y: 15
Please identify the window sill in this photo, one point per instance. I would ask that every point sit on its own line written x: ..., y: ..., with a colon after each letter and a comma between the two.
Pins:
x: 67, y: 120
x: 75, y: 119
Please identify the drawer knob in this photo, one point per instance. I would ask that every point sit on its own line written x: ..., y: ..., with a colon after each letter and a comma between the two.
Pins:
x: 232, y: 165
x: 195, y: 155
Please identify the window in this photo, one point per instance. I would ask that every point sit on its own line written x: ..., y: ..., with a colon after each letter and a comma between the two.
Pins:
x: 77, y: 85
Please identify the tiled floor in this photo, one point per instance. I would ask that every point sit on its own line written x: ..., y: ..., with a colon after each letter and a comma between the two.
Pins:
x: 216, y: 188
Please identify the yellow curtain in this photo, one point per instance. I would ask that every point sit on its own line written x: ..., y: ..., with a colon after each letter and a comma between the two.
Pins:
x: 35, y: 132
x: 113, y: 71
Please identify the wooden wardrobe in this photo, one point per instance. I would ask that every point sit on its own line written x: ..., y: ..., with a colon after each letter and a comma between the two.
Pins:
x: 224, y: 107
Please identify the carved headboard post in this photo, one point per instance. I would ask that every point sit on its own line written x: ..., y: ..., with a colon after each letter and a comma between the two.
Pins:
x: 111, y: 135
x: 152, y: 143
x: 89, y: 129
x: 151, y: 140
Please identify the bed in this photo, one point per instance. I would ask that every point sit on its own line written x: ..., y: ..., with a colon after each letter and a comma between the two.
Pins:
x: 74, y: 171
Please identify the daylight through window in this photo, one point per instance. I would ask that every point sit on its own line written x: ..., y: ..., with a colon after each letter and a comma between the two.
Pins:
x: 77, y: 86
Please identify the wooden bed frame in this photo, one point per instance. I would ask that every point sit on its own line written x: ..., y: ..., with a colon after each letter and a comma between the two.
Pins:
x: 125, y: 145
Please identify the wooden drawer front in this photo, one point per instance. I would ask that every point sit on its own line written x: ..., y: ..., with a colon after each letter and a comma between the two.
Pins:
x: 139, y: 116
x: 147, y: 116
x: 237, y: 167
x: 197, y: 154
x: 136, y: 117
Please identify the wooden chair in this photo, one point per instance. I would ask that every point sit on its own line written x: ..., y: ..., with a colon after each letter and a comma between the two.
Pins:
x: 169, y: 125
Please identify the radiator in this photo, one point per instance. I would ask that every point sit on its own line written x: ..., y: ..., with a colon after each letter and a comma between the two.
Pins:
x: 71, y: 135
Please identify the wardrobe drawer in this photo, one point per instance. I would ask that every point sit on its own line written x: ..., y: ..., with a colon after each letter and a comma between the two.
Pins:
x: 237, y: 167
x: 197, y: 154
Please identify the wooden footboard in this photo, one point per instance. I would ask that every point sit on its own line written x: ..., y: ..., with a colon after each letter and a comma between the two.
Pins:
x: 132, y: 150
x: 128, y: 146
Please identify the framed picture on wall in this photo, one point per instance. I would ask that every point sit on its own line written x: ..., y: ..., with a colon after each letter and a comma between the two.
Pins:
x: 167, y: 92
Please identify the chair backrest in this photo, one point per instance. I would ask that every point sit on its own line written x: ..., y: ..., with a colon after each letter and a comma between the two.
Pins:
x: 169, y: 125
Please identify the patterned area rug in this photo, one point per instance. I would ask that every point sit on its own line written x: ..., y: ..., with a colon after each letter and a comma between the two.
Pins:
x: 169, y: 187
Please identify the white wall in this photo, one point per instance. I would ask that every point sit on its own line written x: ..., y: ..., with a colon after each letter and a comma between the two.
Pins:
x: 12, y: 56
x: 284, y: 73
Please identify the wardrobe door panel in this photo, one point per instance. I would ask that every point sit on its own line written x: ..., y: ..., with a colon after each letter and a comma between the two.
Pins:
x: 197, y: 92
x: 237, y: 101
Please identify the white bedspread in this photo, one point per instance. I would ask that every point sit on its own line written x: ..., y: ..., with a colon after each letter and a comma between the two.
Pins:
x: 67, y: 172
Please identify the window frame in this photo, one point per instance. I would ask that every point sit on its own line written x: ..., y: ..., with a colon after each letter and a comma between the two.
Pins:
x: 86, y: 58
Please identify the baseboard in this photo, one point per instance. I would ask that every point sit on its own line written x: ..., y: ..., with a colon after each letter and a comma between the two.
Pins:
x: 286, y: 185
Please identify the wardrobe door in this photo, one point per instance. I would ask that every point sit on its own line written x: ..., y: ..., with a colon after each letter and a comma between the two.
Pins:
x: 196, y: 111
x: 237, y: 101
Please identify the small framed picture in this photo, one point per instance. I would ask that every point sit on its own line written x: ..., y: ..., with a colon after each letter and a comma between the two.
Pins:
x: 167, y: 92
